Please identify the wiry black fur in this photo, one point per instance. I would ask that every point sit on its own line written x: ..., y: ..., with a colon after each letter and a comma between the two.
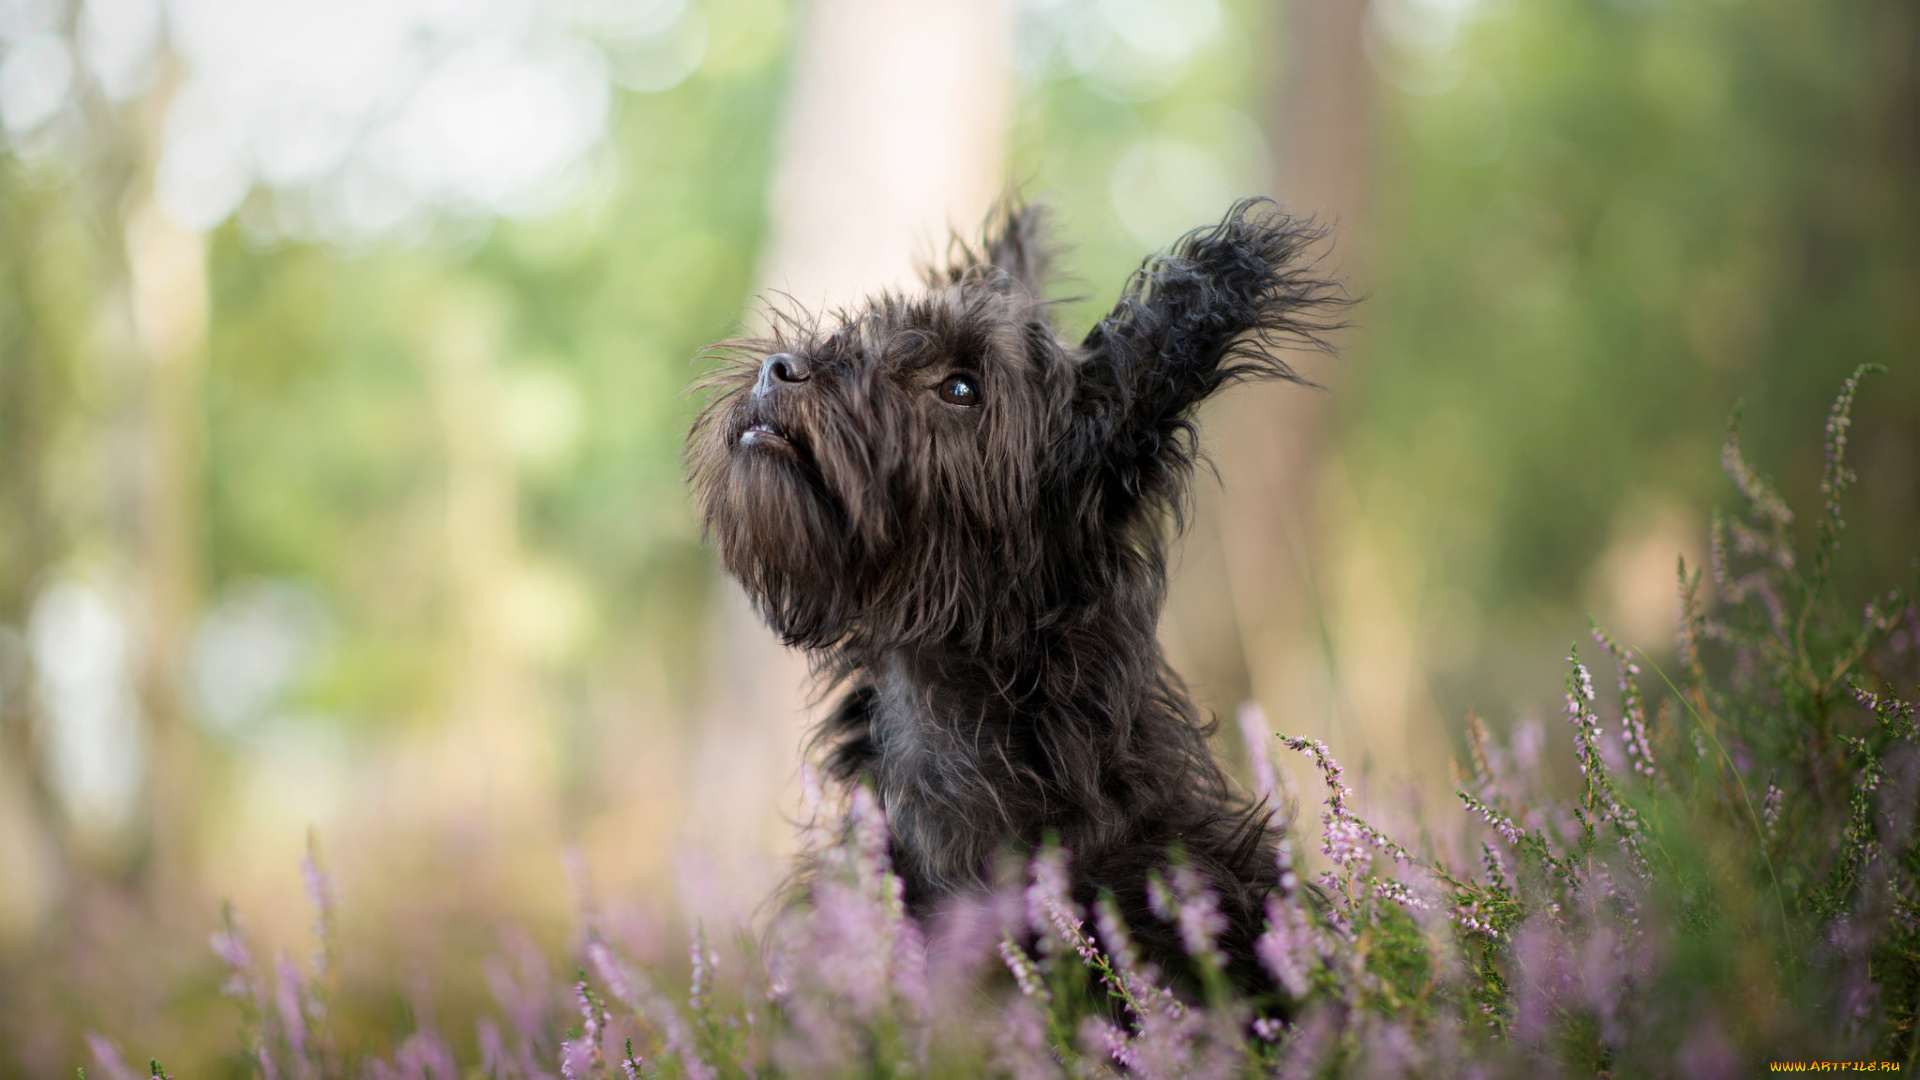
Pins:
x: 986, y: 581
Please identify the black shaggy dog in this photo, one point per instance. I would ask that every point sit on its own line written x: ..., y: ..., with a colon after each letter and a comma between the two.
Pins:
x: 963, y: 520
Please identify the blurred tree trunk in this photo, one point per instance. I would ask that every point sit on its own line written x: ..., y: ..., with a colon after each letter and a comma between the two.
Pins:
x: 34, y: 403
x: 1262, y: 584
x: 166, y: 294
x: 894, y: 132
x: 104, y: 464
x: 494, y: 764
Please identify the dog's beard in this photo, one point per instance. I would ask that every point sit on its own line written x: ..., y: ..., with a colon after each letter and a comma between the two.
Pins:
x: 776, y: 490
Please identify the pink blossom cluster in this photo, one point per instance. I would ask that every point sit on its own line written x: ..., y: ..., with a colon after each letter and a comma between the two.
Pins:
x: 1345, y: 838
x: 1632, y: 708
x: 1601, y: 797
x: 1290, y: 947
x: 1835, y: 477
x: 1473, y: 920
x: 1164, y: 1037
x: 1194, y: 908
x: 1770, y: 809
x: 1890, y: 711
x: 1501, y: 823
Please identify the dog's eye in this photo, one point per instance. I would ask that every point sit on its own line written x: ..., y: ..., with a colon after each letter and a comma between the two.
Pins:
x: 960, y: 390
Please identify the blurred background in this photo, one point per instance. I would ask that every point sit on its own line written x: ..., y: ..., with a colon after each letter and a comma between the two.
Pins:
x: 342, y: 361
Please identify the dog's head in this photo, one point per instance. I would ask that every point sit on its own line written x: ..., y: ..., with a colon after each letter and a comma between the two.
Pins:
x: 942, y: 468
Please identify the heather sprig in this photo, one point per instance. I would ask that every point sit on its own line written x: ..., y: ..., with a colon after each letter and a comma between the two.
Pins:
x: 1835, y: 478
x: 1026, y: 975
x: 1291, y: 946
x: 652, y: 1009
x: 1600, y: 800
x: 243, y: 985
x: 1895, y: 717
x: 1346, y: 839
x: 1766, y: 502
x: 1500, y: 822
x: 1633, y: 710
x: 1061, y: 927
x: 1267, y: 781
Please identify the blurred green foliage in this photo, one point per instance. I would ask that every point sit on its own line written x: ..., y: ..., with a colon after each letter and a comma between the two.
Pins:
x: 1618, y: 220
x: 1593, y: 225
x: 327, y: 455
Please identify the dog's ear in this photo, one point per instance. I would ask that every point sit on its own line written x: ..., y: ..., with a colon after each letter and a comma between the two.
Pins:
x: 1205, y: 314
x: 1014, y: 242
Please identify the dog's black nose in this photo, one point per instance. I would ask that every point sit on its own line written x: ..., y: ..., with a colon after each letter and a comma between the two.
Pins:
x: 782, y: 368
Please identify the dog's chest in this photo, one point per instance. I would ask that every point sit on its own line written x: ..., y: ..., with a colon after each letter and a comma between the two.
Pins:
x: 943, y: 778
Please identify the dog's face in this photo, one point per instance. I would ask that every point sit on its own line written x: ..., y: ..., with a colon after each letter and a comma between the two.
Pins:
x: 941, y: 467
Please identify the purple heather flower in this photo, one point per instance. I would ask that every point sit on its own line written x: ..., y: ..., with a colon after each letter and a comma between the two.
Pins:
x: 1770, y: 808
x: 1135, y: 978
x: 1542, y: 983
x: 1763, y: 498
x: 1495, y: 866
x: 320, y: 893
x: 816, y: 815
x: 494, y: 1061
x: 230, y: 947
x: 632, y: 990
x: 1602, y: 800
x: 911, y: 986
x: 1287, y: 947
x: 1021, y: 1049
x: 867, y: 840
x: 1345, y: 839
x: 1288, y: 880
x: 1050, y: 907
x: 1054, y: 916
x: 1164, y: 1045
x: 1473, y: 920
x: 289, y: 1001
x: 1024, y: 973
x: 850, y: 940
x: 1389, y: 889
x: 1159, y: 900
x: 703, y: 961
x: 1255, y: 730
x: 1889, y: 711
x: 963, y: 936
x: 1501, y: 823
x: 1315, y: 1033
x: 525, y: 1001
x: 1633, y: 711
x: 1836, y: 476
x: 1198, y: 916
x: 1528, y: 739
x: 1707, y: 1055
x: 106, y: 1058
x: 1345, y: 842
x: 593, y: 1023
x: 1391, y: 1049
x: 1103, y: 1039
x: 423, y: 1056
